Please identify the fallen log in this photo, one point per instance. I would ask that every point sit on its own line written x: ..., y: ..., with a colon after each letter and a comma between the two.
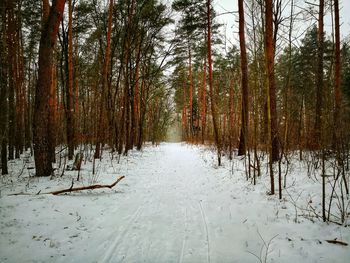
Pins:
x: 90, y: 187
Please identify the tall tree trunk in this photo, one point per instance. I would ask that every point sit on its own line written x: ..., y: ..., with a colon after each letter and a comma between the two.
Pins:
x: 319, y: 80
x: 41, y: 113
x: 132, y: 107
x: 127, y: 92
x: 52, y: 110
x: 3, y: 93
x: 11, y: 31
x: 271, y: 93
x: 211, y: 93
x: 29, y: 106
x: 319, y: 100
x: 337, y: 84
x: 191, y: 89
x: 204, y: 100
x: 231, y: 116
x: 70, y: 88
x: 19, y: 80
x: 245, y: 90
x: 137, y: 93
x: 142, y: 115
x: 184, y: 112
x: 77, y: 118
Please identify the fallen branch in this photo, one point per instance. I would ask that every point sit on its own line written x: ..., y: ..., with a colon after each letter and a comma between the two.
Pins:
x: 90, y: 187
x: 71, y: 189
x: 337, y: 242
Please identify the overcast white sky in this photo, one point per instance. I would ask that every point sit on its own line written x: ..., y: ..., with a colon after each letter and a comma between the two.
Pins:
x: 230, y: 20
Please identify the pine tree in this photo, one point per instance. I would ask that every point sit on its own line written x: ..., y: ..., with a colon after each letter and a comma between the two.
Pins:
x: 41, y: 114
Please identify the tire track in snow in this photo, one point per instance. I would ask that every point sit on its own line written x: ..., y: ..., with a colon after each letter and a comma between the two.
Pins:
x: 206, y: 230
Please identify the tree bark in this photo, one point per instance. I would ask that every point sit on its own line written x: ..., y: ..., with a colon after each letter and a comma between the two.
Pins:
x: 41, y: 110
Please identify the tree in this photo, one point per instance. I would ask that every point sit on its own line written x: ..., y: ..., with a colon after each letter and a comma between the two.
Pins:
x: 211, y: 92
x: 319, y: 100
x: 271, y: 93
x: 70, y: 84
x: 11, y: 63
x: 52, y: 93
x: 244, y: 83
x: 3, y: 91
x: 41, y: 113
x: 319, y: 80
x: 337, y: 80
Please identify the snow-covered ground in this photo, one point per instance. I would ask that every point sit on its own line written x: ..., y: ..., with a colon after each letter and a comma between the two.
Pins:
x: 174, y: 205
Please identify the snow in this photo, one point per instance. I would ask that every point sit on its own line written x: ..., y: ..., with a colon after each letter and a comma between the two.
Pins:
x: 174, y: 205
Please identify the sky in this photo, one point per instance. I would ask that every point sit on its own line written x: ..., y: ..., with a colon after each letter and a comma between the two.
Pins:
x: 231, y: 20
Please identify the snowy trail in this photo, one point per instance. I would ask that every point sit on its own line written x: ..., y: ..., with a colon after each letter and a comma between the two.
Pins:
x: 173, y: 206
x: 164, y: 225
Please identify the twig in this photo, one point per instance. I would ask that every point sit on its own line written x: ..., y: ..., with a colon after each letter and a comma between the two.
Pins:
x: 337, y: 242
x: 20, y: 193
x: 21, y: 172
x: 61, y: 150
x: 263, y: 257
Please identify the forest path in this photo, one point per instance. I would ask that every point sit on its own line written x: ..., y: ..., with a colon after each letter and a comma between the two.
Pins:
x: 166, y: 218
x: 182, y: 208
x: 174, y: 205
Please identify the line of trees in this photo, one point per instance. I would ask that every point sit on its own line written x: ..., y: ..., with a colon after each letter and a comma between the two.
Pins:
x: 277, y: 93
x: 82, y: 72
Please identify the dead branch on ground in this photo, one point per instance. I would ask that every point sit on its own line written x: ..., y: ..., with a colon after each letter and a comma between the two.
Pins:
x: 71, y: 189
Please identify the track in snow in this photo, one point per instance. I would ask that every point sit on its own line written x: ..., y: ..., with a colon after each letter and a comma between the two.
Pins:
x: 175, y: 182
